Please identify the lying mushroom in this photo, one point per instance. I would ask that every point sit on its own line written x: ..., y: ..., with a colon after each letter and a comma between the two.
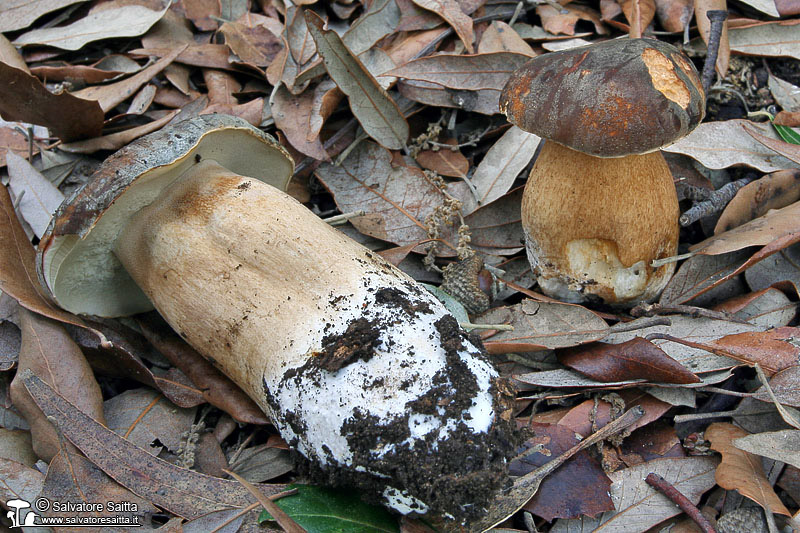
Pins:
x: 363, y: 372
x: 600, y: 205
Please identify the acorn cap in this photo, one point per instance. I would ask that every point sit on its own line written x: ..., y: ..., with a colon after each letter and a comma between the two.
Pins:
x: 75, y: 262
x: 616, y: 98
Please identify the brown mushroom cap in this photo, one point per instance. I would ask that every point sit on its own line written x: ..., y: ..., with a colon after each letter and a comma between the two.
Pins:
x: 75, y: 261
x: 616, y: 98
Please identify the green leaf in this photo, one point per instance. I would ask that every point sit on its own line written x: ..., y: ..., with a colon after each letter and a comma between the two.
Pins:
x: 323, y: 510
x: 789, y: 135
x: 452, y: 305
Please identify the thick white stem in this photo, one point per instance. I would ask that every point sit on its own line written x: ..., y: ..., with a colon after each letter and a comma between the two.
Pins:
x: 354, y: 361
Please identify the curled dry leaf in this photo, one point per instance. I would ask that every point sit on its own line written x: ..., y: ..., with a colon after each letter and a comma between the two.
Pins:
x: 124, y: 21
x: 674, y: 15
x: 773, y: 191
x: 26, y: 99
x: 48, y: 351
x: 484, y: 101
x: 633, y: 359
x: 639, y: 16
x: 787, y: 150
x: 740, y: 470
x: 774, y: 231
x: 179, y: 490
x: 115, y: 141
x: 108, y: 96
x: 773, y: 349
x: 542, y: 325
x: 450, y: 11
x: 375, y: 110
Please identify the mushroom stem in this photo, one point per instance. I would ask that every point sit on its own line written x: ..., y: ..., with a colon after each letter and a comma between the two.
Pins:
x: 594, y: 225
x: 363, y: 371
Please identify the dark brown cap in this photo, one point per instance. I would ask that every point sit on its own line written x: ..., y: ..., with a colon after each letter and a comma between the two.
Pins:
x: 616, y: 98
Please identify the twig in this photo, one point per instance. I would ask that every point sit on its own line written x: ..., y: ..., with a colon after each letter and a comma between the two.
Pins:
x: 716, y: 202
x: 645, y: 309
x: 667, y: 489
x: 717, y: 18
x: 344, y: 217
x: 18, y: 200
x: 623, y: 327
x: 674, y: 259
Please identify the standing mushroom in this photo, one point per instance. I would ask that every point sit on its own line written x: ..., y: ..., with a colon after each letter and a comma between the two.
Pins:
x: 363, y: 372
x: 600, y: 205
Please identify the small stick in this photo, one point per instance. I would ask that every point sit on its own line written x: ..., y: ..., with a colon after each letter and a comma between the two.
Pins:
x: 716, y: 202
x: 717, y: 18
x: 344, y: 217
x: 667, y: 489
x: 645, y: 309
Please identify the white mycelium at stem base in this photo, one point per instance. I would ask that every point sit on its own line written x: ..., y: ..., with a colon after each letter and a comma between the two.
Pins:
x: 360, y: 368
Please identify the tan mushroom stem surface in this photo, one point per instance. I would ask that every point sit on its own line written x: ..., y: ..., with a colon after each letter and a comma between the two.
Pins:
x: 359, y: 367
x: 593, y: 225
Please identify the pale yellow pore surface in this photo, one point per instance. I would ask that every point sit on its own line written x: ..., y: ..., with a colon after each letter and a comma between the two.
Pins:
x: 665, y: 80
x: 593, y: 225
x: 242, y: 271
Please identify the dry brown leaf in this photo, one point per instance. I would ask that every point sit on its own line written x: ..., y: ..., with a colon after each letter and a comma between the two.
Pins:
x: 639, y: 13
x: 740, y: 470
x: 203, y: 13
x: 179, y: 490
x: 220, y: 86
x: 19, y: 14
x: 37, y: 198
x: 197, y: 55
x: 780, y: 270
x: 10, y: 56
x: 768, y: 307
x: 558, y: 23
x: 773, y: 191
x: 469, y: 73
x: 19, y: 482
x: 115, y: 141
x: 218, y: 389
x: 701, y: 8
x: 147, y: 419
x: 108, y: 96
x: 787, y: 118
x: 767, y: 230
x: 502, y: 164
x: 450, y: 11
x: 445, y: 161
x: 633, y: 359
x: 301, y: 44
x: 724, y: 144
x: 371, y: 105
x: 26, y: 99
x: 782, y: 446
x: 73, y: 478
x: 771, y: 39
x: 484, y: 101
x: 674, y: 15
x: 790, y: 151
x: 13, y: 141
x: 254, y: 44
x: 500, y: 37
x: 19, y: 279
x: 293, y: 116
x: 542, y: 325
x: 48, y: 351
x: 122, y: 21
x: 785, y: 386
